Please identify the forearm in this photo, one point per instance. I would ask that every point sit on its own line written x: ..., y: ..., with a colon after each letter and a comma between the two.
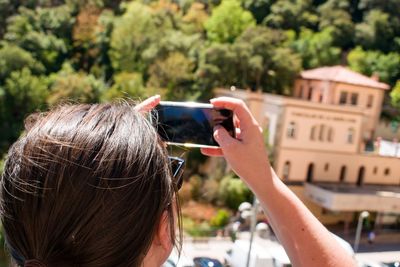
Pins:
x: 307, y: 242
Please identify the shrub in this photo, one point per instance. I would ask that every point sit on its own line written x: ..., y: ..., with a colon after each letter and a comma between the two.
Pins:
x: 233, y: 191
x: 220, y: 219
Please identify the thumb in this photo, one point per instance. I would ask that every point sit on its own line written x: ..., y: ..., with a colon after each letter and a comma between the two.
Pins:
x: 223, y: 138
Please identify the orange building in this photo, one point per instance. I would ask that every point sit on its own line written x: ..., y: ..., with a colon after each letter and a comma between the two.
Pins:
x: 322, y: 143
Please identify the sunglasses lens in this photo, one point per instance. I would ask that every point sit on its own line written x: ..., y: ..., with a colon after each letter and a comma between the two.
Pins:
x: 177, y: 165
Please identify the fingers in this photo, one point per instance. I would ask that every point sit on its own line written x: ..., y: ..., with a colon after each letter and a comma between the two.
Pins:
x: 212, y: 152
x: 148, y: 104
x: 238, y: 107
x: 223, y: 138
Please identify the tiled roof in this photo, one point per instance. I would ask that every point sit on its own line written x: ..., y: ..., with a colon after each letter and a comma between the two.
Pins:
x: 343, y: 75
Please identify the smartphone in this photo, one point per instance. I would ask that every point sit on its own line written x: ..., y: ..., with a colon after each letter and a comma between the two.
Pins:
x: 190, y: 124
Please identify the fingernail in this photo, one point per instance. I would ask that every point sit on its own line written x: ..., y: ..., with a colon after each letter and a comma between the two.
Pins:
x: 212, y: 99
x: 156, y: 96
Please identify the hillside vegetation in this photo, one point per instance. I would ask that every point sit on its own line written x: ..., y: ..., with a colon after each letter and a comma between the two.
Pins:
x: 98, y: 50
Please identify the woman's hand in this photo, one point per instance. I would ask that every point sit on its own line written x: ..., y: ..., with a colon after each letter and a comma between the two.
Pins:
x: 148, y: 104
x: 246, y: 154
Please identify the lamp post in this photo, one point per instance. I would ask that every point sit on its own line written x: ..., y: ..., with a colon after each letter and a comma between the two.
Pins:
x: 253, y: 221
x: 361, y: 218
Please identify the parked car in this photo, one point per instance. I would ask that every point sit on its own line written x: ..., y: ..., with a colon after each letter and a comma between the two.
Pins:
x: 206, y: 262
x: 175, y: 260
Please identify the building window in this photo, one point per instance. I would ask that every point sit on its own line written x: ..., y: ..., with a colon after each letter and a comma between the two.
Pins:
x: 343, y: 98
x: 326, y: 168
x: 354, y: 99
x: 321, y: 132
x: 286, y: 170
x: 375, y: 171
x: 350, y: 136
x: 310, y: 89
x: 342, y: 176
x: 330, y: 134
x: 387, y: 171
x: 291, y: 130
x: 321, y: 97
x: 301, y: 91
x: 312, y: 134
x: 310, y: 173
x: 360, y: 178
x: 370, y: 101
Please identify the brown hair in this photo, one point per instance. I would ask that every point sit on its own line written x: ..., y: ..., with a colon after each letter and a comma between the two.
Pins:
x: 86, y: 186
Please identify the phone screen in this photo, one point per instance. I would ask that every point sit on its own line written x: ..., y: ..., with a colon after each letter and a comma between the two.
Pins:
x: 191, y: 125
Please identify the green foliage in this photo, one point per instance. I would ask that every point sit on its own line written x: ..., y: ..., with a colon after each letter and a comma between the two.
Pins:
x: 28, y: 92
x: 316, y: 48
x: 376, y: 32
x: 2, y: 161
x: 375, y: 62
x: 195, y: 18
x: 292, y: 14
x: 126, y: 85
x: 255, y: 60
x: 259, y: 8
x: 21, y: 94
x: 202, y: 229
x: 184, y: 49
x: 13, y: 58
x: 228, y: 21
x: 174, y: 73
x: 334, y: 15
x: 196, y: 185
x: 395, y: 95
x: 132, y: 34
x: 221, y: 219
x: 68, y: 85
x: 233, y: 192
x: 43, y: 32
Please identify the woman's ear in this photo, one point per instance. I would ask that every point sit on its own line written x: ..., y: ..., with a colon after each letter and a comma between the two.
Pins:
x: 164, y: 233
x: 161, y: 246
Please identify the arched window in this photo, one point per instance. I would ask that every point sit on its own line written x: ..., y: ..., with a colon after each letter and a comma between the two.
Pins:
x: 310, y: 173
x: 342, y: 176
x: 291, y: 130
x: 286, y: 170
x: 360, y: 178
x: 387, y: 171
x: 350, y: 135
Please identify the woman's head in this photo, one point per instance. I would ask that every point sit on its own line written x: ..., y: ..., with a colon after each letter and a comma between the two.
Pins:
x: 88, y: 185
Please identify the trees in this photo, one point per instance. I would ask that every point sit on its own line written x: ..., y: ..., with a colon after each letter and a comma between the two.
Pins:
x: 22, y: 93
x: 44, y: 32
x: 376, y: 31
x: 370, y: 62
x: 228, y: 21
x: 255, y: 60
x: 316, y: 48
x: 335, y: 16
x: 292, y: 14
x: 395, y: 95
x: 13, y: 58
x: 175, y: 74
x: 132, y: 34
x: 126, y: 85
x: 68, y: 85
